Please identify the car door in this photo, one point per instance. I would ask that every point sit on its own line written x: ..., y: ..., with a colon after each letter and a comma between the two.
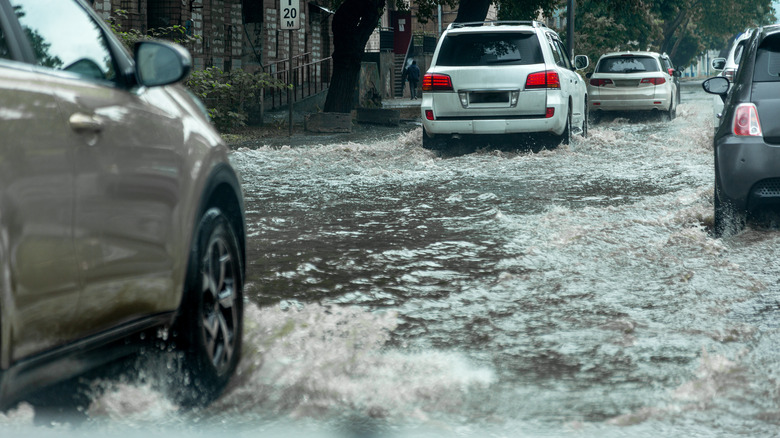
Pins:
x: 572, y: 84
x: 39, y: 286
x: 668, y: 67
x: 128, y: 171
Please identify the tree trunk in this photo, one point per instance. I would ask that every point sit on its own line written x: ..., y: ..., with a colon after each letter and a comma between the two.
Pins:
x: 472, y: 10
x: 677, y: 42
x: 353, y: 23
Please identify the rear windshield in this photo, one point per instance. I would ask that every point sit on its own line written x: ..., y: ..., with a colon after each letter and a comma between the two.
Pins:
x: 490, y: 49
x: 627, y: 64
x: 768, y: 60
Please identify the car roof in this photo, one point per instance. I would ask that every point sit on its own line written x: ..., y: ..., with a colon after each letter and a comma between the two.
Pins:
x: 770, y: 30
x: 495, y: 26
x: 631, y: 52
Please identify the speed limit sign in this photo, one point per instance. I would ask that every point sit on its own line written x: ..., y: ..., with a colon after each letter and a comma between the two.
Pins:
x: 290, y: 14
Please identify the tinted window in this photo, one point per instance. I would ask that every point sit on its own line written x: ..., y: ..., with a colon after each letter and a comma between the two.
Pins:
x: 627, y: 64
x: 64, y: 37
x: 4, y: 53
x: 564, y: 56
x: 490, y: 49
x: 767, y: 67
x: 738, y: 51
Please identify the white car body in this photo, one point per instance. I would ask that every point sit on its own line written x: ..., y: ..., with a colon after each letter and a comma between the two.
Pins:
x: 497, y: 93
x: 632, y: 81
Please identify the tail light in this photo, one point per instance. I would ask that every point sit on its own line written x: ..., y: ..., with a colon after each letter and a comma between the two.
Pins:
x: 436, y: 82
x: 671, y: 71
x: 654, y: 81
x: 729, y: 73
x: 543, y: 79
x: 600, y: 82
x: 746, y: 120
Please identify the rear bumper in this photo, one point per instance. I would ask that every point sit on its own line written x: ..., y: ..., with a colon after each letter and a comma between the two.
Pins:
x: 749, y: 172
x: 498, y: 124
x: 631, y: 99
x: 630, y: 105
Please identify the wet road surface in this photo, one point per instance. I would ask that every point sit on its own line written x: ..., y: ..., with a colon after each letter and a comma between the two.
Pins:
x: 396, y: 292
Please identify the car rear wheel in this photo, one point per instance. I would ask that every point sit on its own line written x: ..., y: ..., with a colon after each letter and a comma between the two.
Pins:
x: 566, y: 136
x: 727, y: 220
x: 211, y: 323
x: 672, y: 113
x: 438, y: 142
x: 586, y: 119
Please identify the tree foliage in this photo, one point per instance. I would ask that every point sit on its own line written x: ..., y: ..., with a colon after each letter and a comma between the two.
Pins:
x: 681, y: 28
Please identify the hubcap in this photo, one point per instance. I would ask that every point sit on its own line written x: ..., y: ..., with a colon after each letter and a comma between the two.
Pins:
x: 220, y: 310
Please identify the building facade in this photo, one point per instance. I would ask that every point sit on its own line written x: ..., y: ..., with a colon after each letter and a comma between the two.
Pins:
x: 230, y: 34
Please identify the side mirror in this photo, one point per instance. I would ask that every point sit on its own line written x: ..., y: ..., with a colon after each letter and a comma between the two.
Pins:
x: 718, y: 63
x: 677, y: 73
x: 718, y: 85
x: 588, y: 75
x: 161, y: 63
x: 581, y: 62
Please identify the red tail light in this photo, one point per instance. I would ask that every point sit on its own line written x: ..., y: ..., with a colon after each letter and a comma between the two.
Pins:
x: 543, y: 79
x: 654, y: 81
x: 600, y: 82
x: 436, y: 82
x: 746, y: 120
x: 671, y: 71
x: 729, y: 73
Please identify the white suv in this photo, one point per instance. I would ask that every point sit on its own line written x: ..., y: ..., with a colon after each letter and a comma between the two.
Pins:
x: 502, y: 77
x: 634, y: 81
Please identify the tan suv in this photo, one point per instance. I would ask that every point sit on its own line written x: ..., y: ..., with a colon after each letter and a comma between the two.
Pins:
x: 120, y: 213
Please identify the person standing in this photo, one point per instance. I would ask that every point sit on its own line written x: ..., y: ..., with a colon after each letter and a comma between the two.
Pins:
x: 413, y: 74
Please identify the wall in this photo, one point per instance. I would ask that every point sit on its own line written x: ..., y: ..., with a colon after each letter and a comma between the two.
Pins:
x: 231, y: 35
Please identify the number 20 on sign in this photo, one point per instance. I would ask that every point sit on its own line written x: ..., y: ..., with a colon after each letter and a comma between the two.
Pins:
x: 290, y: 14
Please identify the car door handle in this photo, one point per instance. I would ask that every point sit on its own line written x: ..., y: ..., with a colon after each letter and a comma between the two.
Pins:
x: 85, y: 123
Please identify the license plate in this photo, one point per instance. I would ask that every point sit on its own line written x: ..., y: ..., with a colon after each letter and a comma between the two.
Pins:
x: 489, y: 97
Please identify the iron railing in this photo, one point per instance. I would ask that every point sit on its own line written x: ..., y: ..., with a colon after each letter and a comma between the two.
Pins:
x: 307, y: 77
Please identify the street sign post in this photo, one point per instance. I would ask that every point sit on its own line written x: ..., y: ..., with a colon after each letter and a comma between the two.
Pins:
x: 290, y: 20
x: 290, y: 15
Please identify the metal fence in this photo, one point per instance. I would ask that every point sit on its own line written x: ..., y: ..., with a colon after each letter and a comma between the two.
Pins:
x: 308, y: 77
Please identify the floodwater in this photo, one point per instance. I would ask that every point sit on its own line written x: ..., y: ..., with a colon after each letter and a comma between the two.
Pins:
x: 394, y: 292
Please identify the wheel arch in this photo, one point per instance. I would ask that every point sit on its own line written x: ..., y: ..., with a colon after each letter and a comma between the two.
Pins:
x: 223, y: 190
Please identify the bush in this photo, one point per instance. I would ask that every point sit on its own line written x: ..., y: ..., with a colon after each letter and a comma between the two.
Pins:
x: 231, y: 96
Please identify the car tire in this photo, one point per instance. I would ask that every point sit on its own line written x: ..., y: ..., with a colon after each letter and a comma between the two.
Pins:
x: 433, y: 143
x: 672, y: 113
x: 586, y: 121
x: 210, y: 325
x: 594, y: 117
x: 727, y: 220
x: 565, y: 138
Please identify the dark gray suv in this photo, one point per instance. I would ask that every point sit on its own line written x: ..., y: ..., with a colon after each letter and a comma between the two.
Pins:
x: 747, y: 142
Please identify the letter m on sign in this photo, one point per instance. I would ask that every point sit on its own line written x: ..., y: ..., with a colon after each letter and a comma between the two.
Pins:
x: 290, y: 14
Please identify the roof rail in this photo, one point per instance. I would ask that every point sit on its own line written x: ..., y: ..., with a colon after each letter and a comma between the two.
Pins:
x: 533, y: 23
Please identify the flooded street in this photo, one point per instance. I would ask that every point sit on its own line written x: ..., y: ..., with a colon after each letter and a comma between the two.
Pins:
x: 393, y: 292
